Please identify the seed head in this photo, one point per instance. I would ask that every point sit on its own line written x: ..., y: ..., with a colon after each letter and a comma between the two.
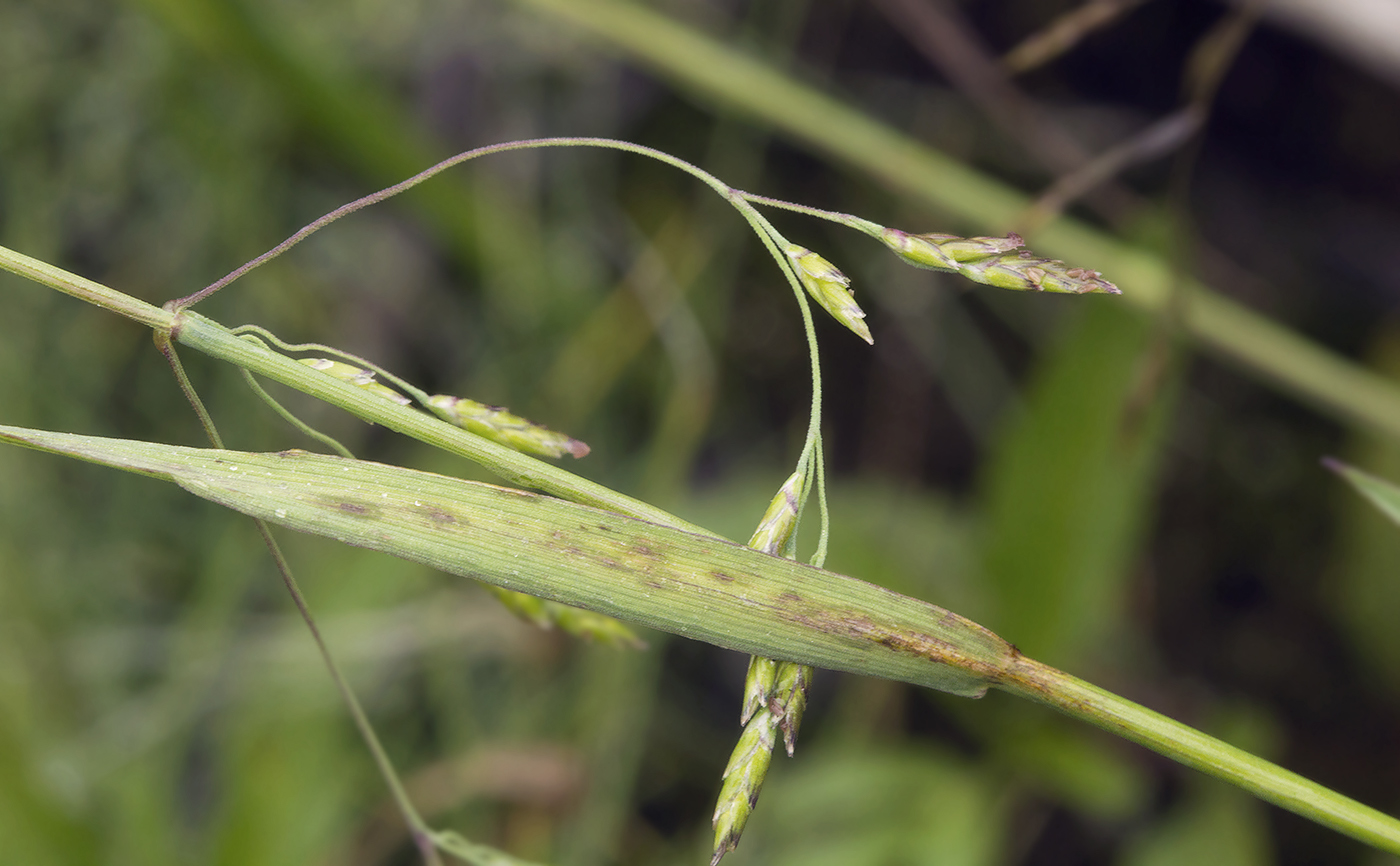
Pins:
x: 1026, y: 272
x: 758, y: 686
x: 775, y: 529
x: 499, y: 425
x: 791, y: 684
x: 830, y: 288
x: 944, y: 252
x: 994, y: 262
x: 743, y: 780
x: 355, y: 376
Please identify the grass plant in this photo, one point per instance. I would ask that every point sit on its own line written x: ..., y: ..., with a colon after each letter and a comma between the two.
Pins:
x: 1077, y: 475
x: 605, y: 552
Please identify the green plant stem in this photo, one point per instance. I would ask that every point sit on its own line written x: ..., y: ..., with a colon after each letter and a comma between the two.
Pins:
x: 84, y: 289
x: 403, y: 186
x: 213, y: 339
x: 217, y: 341
x: 162, y: 341
x: 1043, y: 684
x: 283, y: 413
x: 849, y: 220
x: 265, y: 335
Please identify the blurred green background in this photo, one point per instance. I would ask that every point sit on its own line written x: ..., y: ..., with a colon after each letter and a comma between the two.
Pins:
x: 1066, y: 470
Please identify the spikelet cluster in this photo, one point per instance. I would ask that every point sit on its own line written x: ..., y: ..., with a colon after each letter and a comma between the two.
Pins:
x: 830, y: 288
x: 355, y: 376
x: 996, y: 262
x: 499, y: 425
x: 775, y: 694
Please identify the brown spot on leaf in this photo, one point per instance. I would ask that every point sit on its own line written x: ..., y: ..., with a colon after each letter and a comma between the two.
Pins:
x: 862, y: 627
x: 721, y: 576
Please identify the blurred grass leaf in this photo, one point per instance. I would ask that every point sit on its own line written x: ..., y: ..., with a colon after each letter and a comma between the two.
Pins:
x: 1383, y: 494
x: 1367, y: 561
x: 1216, y: 825
x: 877, y: 807
x: 1067, y: 488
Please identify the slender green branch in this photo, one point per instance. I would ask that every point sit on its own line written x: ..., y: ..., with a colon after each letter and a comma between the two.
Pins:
x: 162, y: 341
x: 389, y: 192
x: 86, y: 290
x: 286, y: 415
x: 845, y: 219
x: 264, y: 334
x: 771, y: 239
x: 207, y: 336
x: 819, y: 558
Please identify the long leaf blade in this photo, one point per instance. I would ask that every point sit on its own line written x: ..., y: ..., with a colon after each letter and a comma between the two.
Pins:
x: 691, y: 585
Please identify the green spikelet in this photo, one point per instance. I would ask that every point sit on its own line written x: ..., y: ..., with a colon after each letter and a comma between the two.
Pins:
x: 355, y: 376
x: 943, y: 252
x: 995, y: 262
x: 758, y: 686
x: 830, y: 288
x: 743, y: 780
x: 499, y: 425
x: 775, y: 530
x: 1025, y: 272
x: 789, y: 701
x: 571, y: 620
